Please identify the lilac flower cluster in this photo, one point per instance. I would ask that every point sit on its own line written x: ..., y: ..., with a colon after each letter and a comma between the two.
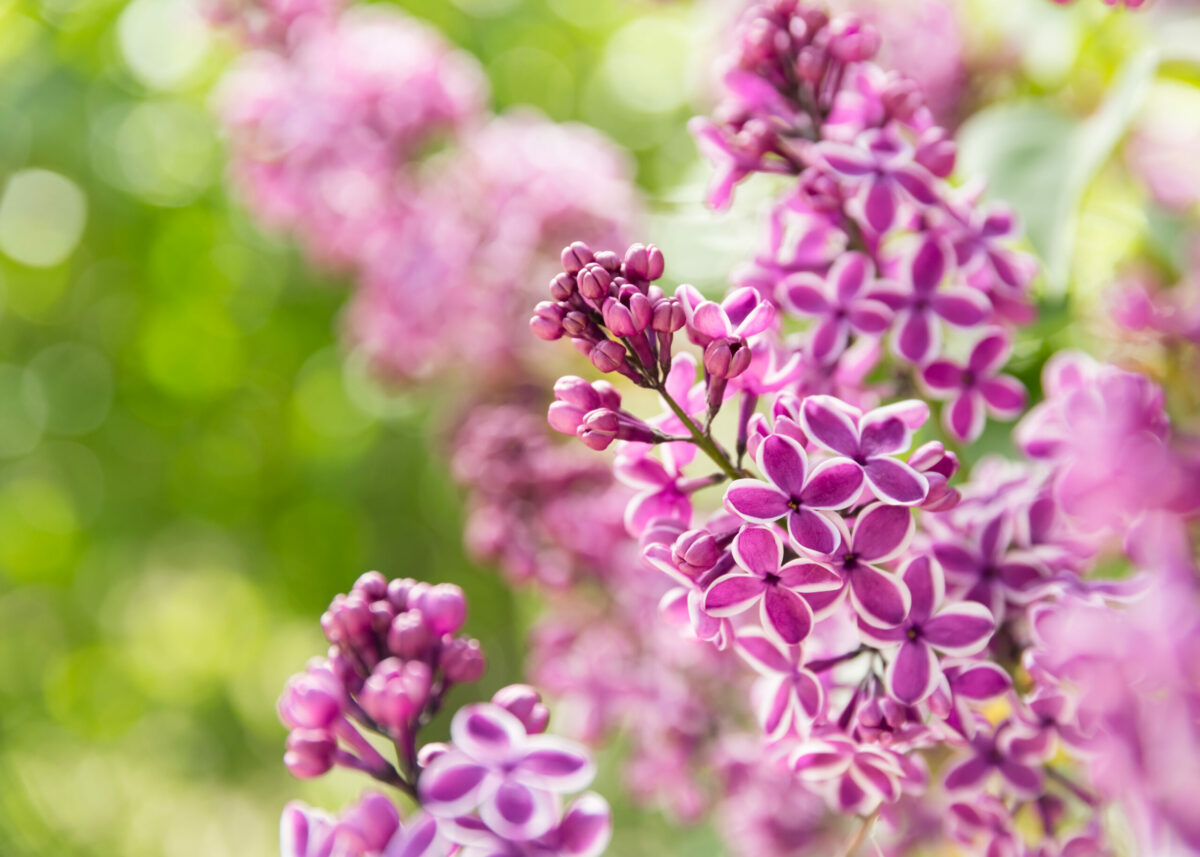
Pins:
x: 889, y: 615
x: 363, y: 134
x: 495, y: 789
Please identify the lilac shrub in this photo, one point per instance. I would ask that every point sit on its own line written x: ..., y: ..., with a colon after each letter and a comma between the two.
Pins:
x: 915, y: 641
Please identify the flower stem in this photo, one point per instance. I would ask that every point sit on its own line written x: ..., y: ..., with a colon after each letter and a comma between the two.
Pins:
x: 860, y: 837
x: 699, y: 437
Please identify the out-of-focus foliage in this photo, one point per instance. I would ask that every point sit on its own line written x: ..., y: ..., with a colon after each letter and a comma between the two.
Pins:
x: 190, y: 468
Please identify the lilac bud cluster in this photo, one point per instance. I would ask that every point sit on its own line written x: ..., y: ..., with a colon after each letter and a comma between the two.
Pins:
x: 394, y: 652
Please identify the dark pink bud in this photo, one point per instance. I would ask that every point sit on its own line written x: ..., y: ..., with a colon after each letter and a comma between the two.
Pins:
x: 409, y: 636
x: 310, y: 753
x: 576, y: 391
x: 609, y: 396
x: 382, y: 613
x: 902, y: 97
x: 311, y: 700
x: 372, y: 584
x: 547, y: 321
x: 373, y: 821
x: 642, y: 311
x: 644, y: 263
x: 444, y: 607
x: 562, y: 286
x: 852, y: 40
x: 607, y: 356
x: 576, y: 256
x: 668, y: 316
x: 594, y: 282
x: 564, y: 417
x: 810, y: 64
x: 609, y: 261
x: 695, y: 552
x: 618, y: 318
x: 524, y: 703
x: 396, y: 693
x: 397, y: 592
x: 576, y: 323
x: 462, y: 660
x: 726, y: 358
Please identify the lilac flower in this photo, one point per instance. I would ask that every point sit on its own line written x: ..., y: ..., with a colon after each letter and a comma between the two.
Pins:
x: 368, y: 828
x: 976, y: 387
x: 986, y: 569
x: 918, y: 338
x: 511, y: 778
x: 663, y: 491
x: 584, y: 831
x: 741, y: 315
x: 880, y: 533
x: 790, y: 697
x: 773, y: 586
x: 966, y: 681
x: 992, y: 756
x: 882, y: 173
x: 870, y: 440
x: 794, y: 490
x: 962, y: 628
x: 841, y: 301
x: 859, y: 777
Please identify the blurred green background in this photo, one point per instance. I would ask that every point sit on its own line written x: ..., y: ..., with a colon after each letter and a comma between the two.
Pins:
x: 190, y: 467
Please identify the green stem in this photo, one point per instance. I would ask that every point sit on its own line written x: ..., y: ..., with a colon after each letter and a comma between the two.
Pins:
x: 699, y: 437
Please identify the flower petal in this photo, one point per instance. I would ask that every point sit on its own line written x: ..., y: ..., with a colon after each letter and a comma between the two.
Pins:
x: 879, y: 205
x: 1004, y: 395
x: 885, y: 436
x: 833, y: 484
x: 814, y: 531
x: 848, y: 274
x: 967, y: 774
x: 786, y: 615
x: 960, y: 629
x: 962, y: 306
x: 964, y: 418
x: 981, y: 681
x: 871, y: 317
x: 942, y: 377
x: 733, y: 594
x: 762, y: 653
x: 554, y: 764
x: 808, y: 693
x: 917, y: 340
x: 518, y: 813
x: 452, y: 784
x: 881, y: 532
x: 586, y: 828
x: 710, y: 320
x: 913, y: 672
x: 827, y: 424
x: 486, y: 732
x: 804, y: 294
x: 923, y: 577
x: 758, y: 550
x: 783, y: 461
x: 803, y: 576
x: 928, y: 265
x: 756, y: 501
x: 828, y: 340
x: 990, y: 353
x: 879, y: 597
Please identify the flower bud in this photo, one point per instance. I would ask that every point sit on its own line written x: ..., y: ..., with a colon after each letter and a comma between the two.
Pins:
x: 576, y: 323
x: 575, y: 257
x: 695, y: 552
x: 396, y: 693
x: 373, y: 821
x: 643, y: 263
x: 409, y: 637
x: 607, y: 356
x: 524, y: 703
x: 668, y: 316
x: 444, y: 608
x: 936, y: 152
x: 372, y: 584
x: 618, y: 318
x: 310, y: 753
x: 852, y: 40
x: 547, y: 321
x: 348, y: 621
x: 608, y: 395
x: 311, y: 699
x: 609, y: 261
x: 576, y: 391
x: 564, y: 418
x: 594, y: 282
x: 562, y: 286
x: 462, y: 660
x: 726, y: 357
x: 397, y: 592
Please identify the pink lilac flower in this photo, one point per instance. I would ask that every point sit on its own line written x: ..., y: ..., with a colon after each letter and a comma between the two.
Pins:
x: 993, y: 756
x: 369, y: 828
x: 880, y: 532
x: 790, y: 697
x: 858, y: 777
x: 976, y: 389
x: 986, y: 568
x: 870, y: 440
x: 792, y: 489
x: 842, y: 301
x: 959, y: 629
x: 768, y: 582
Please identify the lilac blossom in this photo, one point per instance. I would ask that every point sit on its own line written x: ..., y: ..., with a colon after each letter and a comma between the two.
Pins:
x: 790, y: 696
x: 976, y: 389
x: 842, y: 301
x: 370, y: 827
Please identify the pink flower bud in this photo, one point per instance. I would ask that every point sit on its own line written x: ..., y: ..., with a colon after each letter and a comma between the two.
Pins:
x: 310, y: 753
x: 564, y: 418
x: 547, y: 321
x: 609, y: 397
x: 852, y: 40
x: 373, y: 821
x: 462, y: 660
x: 575, y: 257
x: 695, y: 552
x: 524, y: 703
x: 594, y: 282
x: 372, y: 584
x: 409, y: 636
x: 668, y: 316
x: 562, y: 286
x: 312, y: 699
x: 444, y: 608
x: 644, y: 263
x: 607, y: 356
x: 397, y: 592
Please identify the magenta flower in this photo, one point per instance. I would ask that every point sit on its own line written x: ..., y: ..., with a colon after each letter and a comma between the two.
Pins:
x: 842, y: 302
x: 743, y: 313
x: 870, y: 440
x: 776, y: 589
x: 918, y: 338
x: 992, y: 756
x: 789, y: 696
x: 976, y: 388
x: 985, y: 569
x: 584, y: 831
x: 794, y: 490
x: 882, y: 173
x: 511, y: 778
x: 960, y: 628
x: 859, y: 777
x: 963, y: 682
x: 880, y: 533
x: 662, y: 492
x: 370, y: 827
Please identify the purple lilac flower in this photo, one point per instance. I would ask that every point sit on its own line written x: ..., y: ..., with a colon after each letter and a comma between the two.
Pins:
x: 793, y: 490
x: 993, y: 756
x: 985, y: 567
x: 870, y: 440
x: 976, y: 388
x: 368, y: 828
x: 954, y: 629
x: 842, y: 301
x: 858, y: 777
x: 790, y: 697
x: 881, y: 532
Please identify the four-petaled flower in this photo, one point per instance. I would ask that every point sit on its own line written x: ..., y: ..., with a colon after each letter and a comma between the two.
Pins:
x: 984, y: 569
x: 860, y: 776
x: 880, y: 533
x: 794, y: 490
x: 993, y: 753
x: 976, y: 389
x: 741, y: 315
x: 842, y: 300
x: 776, y: 589
x: 960, y: 628
x: 789, y: 697
x: 512, y: 778
x: 869, y: 440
